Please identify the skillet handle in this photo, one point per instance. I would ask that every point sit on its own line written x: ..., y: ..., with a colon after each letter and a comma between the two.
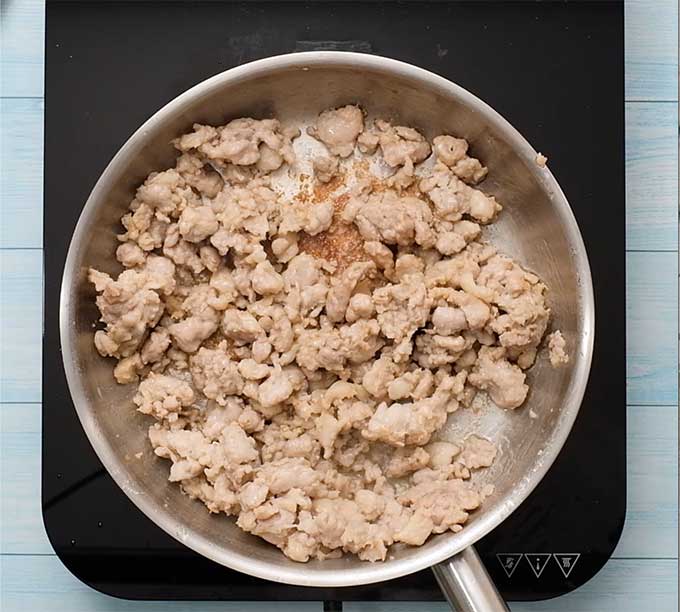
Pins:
x: 466, y: 584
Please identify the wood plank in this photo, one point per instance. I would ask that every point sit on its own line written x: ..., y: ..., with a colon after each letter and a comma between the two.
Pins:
x: 651, y: 524
x: 21, y: 172
x: 22, y: 27
x: 651, y: 176
x: 622, y: 586
x: 651, y: 49
x: 651, y: 170
x: 20, y: 325
x: 21, y: 529
x: 652, y: 328
x: 651, y: 528
x: 651, y: 308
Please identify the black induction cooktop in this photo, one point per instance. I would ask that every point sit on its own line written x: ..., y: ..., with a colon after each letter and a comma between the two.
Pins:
x: 553, y: 69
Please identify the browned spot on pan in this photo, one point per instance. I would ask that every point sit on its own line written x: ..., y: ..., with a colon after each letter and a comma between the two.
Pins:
x: 341, y: 243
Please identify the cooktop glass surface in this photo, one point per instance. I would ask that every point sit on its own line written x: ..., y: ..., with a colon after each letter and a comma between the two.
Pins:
x: 553, y: 69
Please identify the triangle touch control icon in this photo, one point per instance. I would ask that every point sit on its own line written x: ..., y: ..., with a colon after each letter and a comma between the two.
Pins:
x: 509, y: 562
x: 566, y: 561
x: 538, y: 561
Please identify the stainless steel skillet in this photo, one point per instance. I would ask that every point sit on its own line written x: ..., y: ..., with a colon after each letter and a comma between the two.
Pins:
x: 536, y: 226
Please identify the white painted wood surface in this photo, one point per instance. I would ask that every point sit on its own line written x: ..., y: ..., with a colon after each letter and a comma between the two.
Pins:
x: 651, y: 177
x: 651, y: 326
x: 21, y: 172
x: 22, y: 43
x: 651, y: 48
x: 20, y: 325
x: 643, y: 573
